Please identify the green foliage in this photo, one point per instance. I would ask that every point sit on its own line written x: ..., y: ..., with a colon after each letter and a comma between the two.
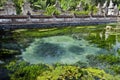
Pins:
x: 60, y: 72
x: 50, y: 2
x: 52, y: 10
x: 81, y: 12
x: 2, y: 2
x: 119, y: 51
x: 92, y: 8
x: 70, y: 5
x: 116, y: 68
x: 110, y: 63
x: 74, y: 73
x: 38, y: 4
x: 18, y: 4
x: 25, y: 71
x: 111, y: 59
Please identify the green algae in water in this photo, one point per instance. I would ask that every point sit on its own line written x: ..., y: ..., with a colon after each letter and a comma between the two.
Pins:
x: 82, y: 41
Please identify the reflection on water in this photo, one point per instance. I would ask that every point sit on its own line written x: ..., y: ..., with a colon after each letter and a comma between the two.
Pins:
x: 59, y: 49
x: 110, y: 32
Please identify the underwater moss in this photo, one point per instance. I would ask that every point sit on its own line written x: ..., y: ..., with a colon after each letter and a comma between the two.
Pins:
x: 7, y: 53
x: 111, y: 59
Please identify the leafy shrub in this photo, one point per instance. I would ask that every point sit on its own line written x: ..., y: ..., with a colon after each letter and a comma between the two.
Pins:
x: 81, y: 12
x: 25, y: 71
x: 39, y: 4
x: 18, y: 5
x: 52, y: 10
x: 74, y: 73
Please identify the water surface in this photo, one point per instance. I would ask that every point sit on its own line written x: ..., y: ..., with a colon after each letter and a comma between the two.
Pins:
x: 72, y: 48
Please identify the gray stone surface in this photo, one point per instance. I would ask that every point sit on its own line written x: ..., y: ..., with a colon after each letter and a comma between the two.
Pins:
x: 51, y: 25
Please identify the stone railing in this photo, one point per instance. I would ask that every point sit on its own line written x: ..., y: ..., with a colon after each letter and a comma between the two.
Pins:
x: 25, y: 19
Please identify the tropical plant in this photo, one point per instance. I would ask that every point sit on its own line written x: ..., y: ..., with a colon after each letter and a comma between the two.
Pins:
x: 18, y: 5
x: 50, y: 10
x: 38, y: 4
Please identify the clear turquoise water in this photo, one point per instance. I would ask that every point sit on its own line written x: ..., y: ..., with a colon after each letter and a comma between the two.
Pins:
x: 70, y: 49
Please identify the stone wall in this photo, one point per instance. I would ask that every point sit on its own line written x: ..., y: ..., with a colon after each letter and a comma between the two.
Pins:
x: 51, y: 25
x: 51, y: 19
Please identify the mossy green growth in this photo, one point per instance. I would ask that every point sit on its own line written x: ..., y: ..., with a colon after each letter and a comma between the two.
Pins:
x: 102, y: 41
x: 111, y: 59
x: 60, y: 72
x: 52, y: 10
x: 19, y: 33
x: 25, y: 71
x: 18, y: 5
x: 81, y: 12
x: 74, y: 73
x: 116, y: 68
x: 97, y: 73
x: 119, y: 51
x: 5, y: 53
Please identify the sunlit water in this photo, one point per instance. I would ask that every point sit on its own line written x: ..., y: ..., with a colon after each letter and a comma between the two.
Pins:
x: 59, y: 49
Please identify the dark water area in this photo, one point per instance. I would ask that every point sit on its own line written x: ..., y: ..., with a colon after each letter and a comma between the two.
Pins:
x: 85, y: 46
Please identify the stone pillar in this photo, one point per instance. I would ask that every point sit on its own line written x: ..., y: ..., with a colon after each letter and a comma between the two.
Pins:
x: 99, y: 12
x: 91, y: 14
x: 58, y: 6
x: 26, y: 7
x: 116, y: 10
x: 105, y: 9
x: 2, y: 12
x: 111, y: 8
x: 29, y: 16
x: 79, y: 7
x: 10, y: 8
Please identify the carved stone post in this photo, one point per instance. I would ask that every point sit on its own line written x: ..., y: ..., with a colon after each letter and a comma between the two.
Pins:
x: 99, y: 12
x: 105, y: 9
x: 29, y: 16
